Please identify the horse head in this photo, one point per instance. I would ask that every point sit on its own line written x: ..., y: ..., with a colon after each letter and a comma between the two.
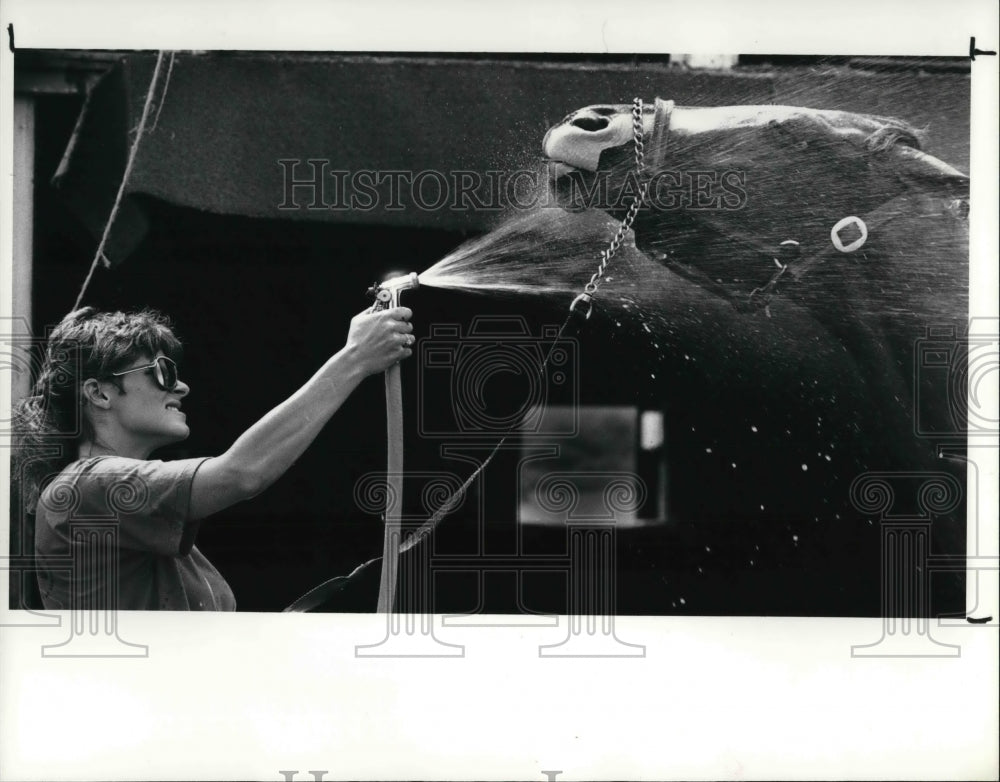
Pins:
x: 736, y: 193
x: 840, y: 213
x: 837, y: 222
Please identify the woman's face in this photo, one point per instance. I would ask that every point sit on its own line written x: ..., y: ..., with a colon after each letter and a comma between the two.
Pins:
x: 148, y: 413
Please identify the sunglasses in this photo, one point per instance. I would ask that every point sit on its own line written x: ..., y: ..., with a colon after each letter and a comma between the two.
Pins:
x: 164, y: 371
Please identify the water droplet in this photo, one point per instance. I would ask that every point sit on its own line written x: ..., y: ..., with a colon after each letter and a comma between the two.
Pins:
x: 795, y: 538
x: 708, y: 450
x: 683, y: 601
x: 753, y: 428
x: 762, y: 507
x: 805, y: 467
x: 708, y: 548
x: 827, y: 457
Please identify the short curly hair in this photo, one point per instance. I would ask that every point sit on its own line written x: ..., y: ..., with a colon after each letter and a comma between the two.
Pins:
x: 87, y: 343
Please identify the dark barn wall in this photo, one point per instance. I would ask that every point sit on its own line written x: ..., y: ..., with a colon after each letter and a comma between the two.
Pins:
x: 261, y: 296
x: 227, y: 121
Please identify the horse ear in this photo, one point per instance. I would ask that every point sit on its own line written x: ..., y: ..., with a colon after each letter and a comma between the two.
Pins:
x: 926, y: 172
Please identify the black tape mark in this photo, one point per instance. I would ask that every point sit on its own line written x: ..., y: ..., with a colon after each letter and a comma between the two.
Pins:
x: 981, y: 621
x: 10, y: 35
x: 973, y: 51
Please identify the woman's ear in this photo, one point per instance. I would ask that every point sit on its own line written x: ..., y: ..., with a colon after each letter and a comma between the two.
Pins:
x: 93, y: 392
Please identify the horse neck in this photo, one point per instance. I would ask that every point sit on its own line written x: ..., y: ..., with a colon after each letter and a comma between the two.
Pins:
x: 887, y: 302
x: 876, y: 303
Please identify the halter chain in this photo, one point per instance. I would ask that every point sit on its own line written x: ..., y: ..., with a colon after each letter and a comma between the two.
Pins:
x: 586, y: 298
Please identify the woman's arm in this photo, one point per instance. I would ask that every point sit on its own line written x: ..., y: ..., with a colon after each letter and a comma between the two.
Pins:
x: 267, y: 449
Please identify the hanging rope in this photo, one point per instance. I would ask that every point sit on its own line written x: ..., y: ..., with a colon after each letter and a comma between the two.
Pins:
x: 163, y: 95
x: 99, y: 257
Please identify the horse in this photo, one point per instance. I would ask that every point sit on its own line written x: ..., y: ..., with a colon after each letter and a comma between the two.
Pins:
x: 813, y: 259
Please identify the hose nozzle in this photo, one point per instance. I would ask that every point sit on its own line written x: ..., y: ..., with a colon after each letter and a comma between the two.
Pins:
x: 387, y: 292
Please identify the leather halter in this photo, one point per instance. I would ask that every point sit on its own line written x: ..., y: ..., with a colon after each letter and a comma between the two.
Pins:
x: 659, y: 137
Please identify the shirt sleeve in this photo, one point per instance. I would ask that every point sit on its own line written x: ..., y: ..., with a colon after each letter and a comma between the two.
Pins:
x: 150, y: 499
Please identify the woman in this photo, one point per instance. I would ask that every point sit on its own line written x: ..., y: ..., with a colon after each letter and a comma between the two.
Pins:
x: 109, y: 394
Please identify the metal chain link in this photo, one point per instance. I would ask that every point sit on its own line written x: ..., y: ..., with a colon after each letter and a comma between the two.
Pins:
x: 633, y: 210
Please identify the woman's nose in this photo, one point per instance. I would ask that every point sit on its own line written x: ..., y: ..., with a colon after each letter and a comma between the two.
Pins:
x: 182, y: 389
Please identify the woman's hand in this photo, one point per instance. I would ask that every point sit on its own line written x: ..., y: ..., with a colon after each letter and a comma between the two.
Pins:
x: 377, y: 340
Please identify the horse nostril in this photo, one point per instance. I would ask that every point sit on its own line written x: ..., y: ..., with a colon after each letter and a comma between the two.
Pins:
x: 590, y: 123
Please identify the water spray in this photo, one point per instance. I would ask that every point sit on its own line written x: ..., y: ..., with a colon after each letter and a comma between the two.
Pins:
x: 387, y: 295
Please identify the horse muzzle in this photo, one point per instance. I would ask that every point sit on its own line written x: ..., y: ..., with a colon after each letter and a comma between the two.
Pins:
x: 580, y: 139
